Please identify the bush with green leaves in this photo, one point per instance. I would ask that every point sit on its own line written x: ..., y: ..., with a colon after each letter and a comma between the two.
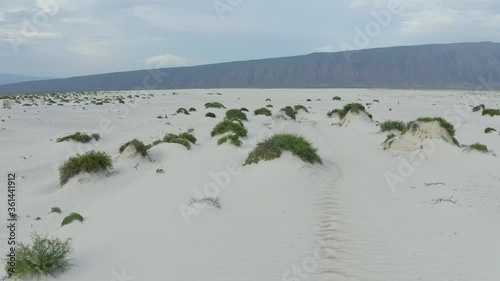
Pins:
x: 489, y: 130
x: 300, y: 107
x: 491, y: 112
x: 352, y: 107
x: 478, y: 108
x: 262, y: 111
x: 479, y: 147
x: 236, y: 114
x: 233, y: 139
x: 210, y: 114
x: 337, y: 98
x: 443, y: 123
x: 393, y: 125
x: 139, y: 146
x: 90, y: 162
x: 214, y: 105
x: 192, y: 109
x: 273, y: 147
x: 183, y: 111
x: 71, y: 218
x: 289, y: 111
x: 269, y: 106
x: 80, y: 137
x: 184, y: 139
x: 45, y: 256
x: 229, y: 126
x: 244, y: 109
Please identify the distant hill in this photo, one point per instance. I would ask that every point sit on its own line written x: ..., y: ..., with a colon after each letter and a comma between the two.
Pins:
x: 6, y: 78
x: 448, y: 66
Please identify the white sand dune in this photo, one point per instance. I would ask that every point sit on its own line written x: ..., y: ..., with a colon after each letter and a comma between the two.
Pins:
x: 365, y: 214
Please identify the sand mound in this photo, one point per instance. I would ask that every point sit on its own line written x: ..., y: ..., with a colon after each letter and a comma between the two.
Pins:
x: 355, y: 118
x: 7, y: 104
x: 416, y: 136
x: 129, y: 153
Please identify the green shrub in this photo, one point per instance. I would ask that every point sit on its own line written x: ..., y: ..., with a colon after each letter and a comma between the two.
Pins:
x: 352, y: 107
x: 489, y: 130
x: 491, y: 112
x: 192, y: 109
x: 188, y: 136
x: 300, y: 107
x: 210, y: 114
x: 44, y: 257
x: 376, y: 101
x: 184, y: 139
x: 268, y: 99
x: 289, y: 111
x: 182, y: 110
x: 478, y: 108
x: 333, y: 112
x: 139, y: 147
x: 233, y: 139
x: 80, y: 137
x: 337, y: 98
x: 273, y: 147
x: 244, y: 109
x: 263, y: 111
x: 269, y: 106
x: 229, y: 126
x: 443, y: 123
x: 393, y: 125
x: 90, y: 162
x: 479, y: 147
x: 71, y: 218
x: 236, y: 114
x: 214, y: 105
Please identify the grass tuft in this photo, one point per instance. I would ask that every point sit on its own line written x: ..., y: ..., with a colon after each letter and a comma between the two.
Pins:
x: 229, y: 126
x: 71, y: 218
x: 233, y: 139
x: 80, y: 137
x: 273, y: 147
x: 139, y: 147
x: 263, y: 111
x: 491, y: 112
x: 210, y: 114
x: 479, y: 147
x: 489, y: 130
x: 443, y: 123
x: 182, y: 110
x: 90, y: 162
x: 393, y: 125
x: 214, y: 105
x: 236, y: 114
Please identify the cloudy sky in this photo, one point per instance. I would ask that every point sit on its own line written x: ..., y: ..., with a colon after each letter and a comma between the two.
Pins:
x: 62, y: 38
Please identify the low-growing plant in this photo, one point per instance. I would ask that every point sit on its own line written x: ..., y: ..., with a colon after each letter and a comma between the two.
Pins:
x: 393, y: 125
x: 479, y: 147
x: 289, y: 111
x: 90, y: 162
x: 333, y: 112
x: 71, y: 218
x: 229, y: 126
x: 45, y: 256
x: 233, y: 139
x: 183, y: 111
x: 192, y: 109
x: 478, y: 108
x: 269, y: 106
x: 236, y: 114
x: 262, y: 111
x: 337, y: 98
x: 210, y: 114
x: 80, y: 137
x: 244, y: 109
x: 214, y: 105
x: 139, y: 146
x: 188, y: 136
x: 300, y: 107
x: 273, y: 147
x: 489, y: 130
x: 212, y: 201
x: 491, y: 112
x: 184, y: 139
x: 443, y: 123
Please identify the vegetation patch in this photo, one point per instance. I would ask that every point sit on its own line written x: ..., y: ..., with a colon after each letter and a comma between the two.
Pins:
x: 233, y: 139
x: 479, y: 147
x: 229, y: 126
x: 300, y: 107
x: 212, y: 201
x: 489, y: 130
x: 244, y: 109
x: 80, y: 137
x: 443, y: 123
x: 478, y: 108
x: 90, y: 162
x: 140, y: 147
x: 337, y: 98
x: 269, y: 106
x: 263, y: 111
x: 183, y: 111
x: 214, y: 105
x: 290, y: 112
x: 192, y: 109
x: 273, y: 147
x: 491, y: 112
x: 71, y: 218
x: 184, y: 139
x: 393, y: 125
x: 210, y: 114
x: 236, y: 114
x: 43, y: 257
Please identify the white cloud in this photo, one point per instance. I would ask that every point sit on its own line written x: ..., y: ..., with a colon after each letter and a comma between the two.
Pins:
x: 168, y: 60
x: 91, y: 47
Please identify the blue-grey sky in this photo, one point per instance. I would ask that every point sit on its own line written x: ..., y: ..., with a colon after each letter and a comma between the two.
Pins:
x: 61, y: 38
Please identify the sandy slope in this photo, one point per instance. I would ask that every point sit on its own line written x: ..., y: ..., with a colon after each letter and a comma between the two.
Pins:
x: 280, y: 220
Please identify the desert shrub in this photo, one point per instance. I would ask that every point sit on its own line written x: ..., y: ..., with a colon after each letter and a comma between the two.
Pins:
x: 337, y: 98
x: 244, y: 109
x: 214, y: 105
x: 188, y: 136
x: 376, y: 101
x: 491, y: 112
x: 71, y: 218
x: 192, y: 109
x: 273, y: 147
x: 443, y: 123
x: 393, y: 125
x: 210, y: 114
x: 212, y: 201
x: 308, y: 100
x: 121, y: 100
x: 229, y: 126
x: 300, y: 107
x: 289, y: 111
x: 479, y: 147
x: 478, y: 108
x: 352, y: 107
x: 269, y: 106
x: 268, y: 99
x: 90, y: 162
x: 333, y: 112
x: 80, y: 137
x: 263, y: 111
x: 182, y: 110
x: 236, y: 114
x: 139, y: 146
x: 233, y: 139
x: 43, y: 257
x: 184, y: 139
x: 489, y: 130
